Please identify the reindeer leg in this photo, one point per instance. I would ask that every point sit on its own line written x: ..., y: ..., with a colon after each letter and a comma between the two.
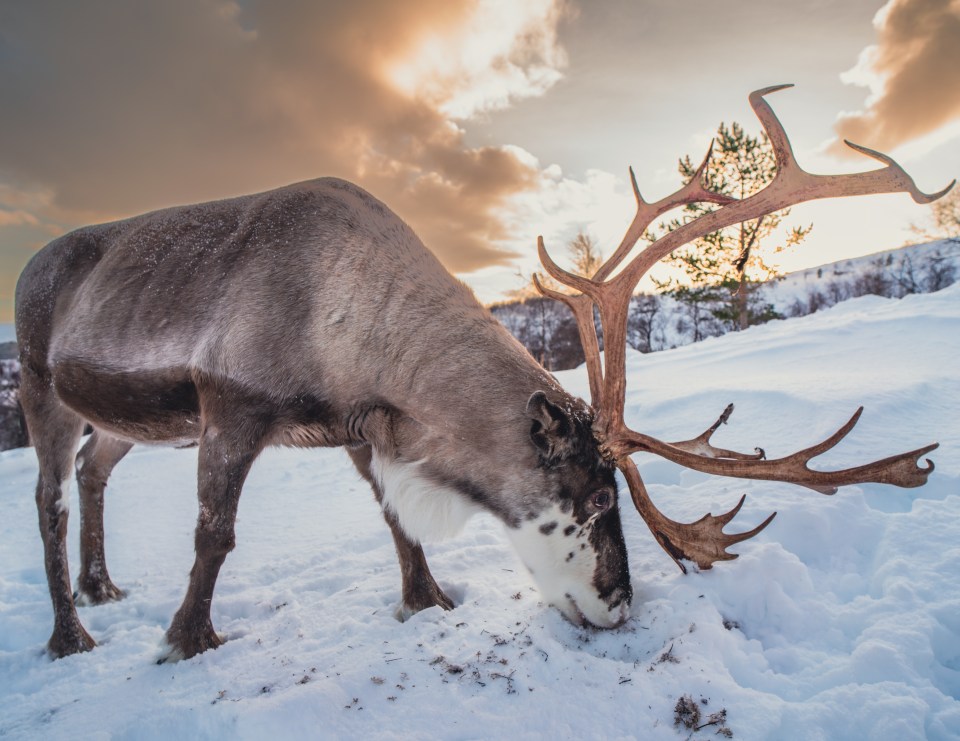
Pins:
x: 228, y: 446
x: 55, y: 431
x: 95, y: 461
x: 420, y: 590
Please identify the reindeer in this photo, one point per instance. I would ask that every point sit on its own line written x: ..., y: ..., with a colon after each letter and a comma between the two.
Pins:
x: 312, y: 316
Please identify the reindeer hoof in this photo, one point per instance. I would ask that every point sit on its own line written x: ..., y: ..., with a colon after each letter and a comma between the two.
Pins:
x: 97, y: 593
x: 442, y: 600
x: 183, y: 646
x: 73, y: 640
x: 423, y: 599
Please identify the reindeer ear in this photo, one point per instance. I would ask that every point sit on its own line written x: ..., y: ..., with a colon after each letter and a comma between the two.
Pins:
x: 551, y: 427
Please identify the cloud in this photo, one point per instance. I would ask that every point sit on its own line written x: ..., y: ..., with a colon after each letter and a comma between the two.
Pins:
x: 116, y: 108
x: 505, y: 51
x: 913, y: 73
x: 17, y: 218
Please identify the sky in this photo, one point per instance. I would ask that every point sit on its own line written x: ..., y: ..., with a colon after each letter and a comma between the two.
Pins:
x: 482, y: 124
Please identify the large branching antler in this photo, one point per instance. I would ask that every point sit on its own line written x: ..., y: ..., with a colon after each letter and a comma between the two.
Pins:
x: 582, y: 304
x: 704, y: 541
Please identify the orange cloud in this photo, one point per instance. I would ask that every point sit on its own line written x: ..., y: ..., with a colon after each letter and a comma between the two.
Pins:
x: 913, y: 73
x: 502, y: 50
x: 119, y: 108
x: 16, y: 218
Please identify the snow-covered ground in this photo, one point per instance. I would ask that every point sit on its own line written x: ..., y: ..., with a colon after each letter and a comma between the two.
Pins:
x: 840, y: 621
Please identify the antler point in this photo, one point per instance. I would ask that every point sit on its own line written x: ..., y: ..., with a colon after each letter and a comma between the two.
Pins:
x: 771, y: 89
x: 636, y: 188
x: 931, y: 197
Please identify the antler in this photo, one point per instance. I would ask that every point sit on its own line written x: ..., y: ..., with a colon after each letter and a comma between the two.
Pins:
x: 704, y: 541
x: 582, y: 304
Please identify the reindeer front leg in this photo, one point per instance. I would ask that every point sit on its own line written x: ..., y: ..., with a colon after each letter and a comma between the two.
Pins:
x: 228, y: 448
x: 420, y: 590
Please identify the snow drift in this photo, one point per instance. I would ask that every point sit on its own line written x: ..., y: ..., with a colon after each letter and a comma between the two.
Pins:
x: 841, y: 620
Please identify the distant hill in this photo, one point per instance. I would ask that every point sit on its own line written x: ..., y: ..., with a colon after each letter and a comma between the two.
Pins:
x: 916, y: 268
x: 659, y: 322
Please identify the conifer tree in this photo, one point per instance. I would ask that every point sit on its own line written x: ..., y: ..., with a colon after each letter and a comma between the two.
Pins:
x: 725, y: 267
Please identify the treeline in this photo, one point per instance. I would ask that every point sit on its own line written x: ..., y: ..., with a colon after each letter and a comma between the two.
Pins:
x: 892, y: 276
x: 13, y: 427
x: 671, y: 319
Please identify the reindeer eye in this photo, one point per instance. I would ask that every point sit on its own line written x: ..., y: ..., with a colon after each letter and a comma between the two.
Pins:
x: 601, y: 500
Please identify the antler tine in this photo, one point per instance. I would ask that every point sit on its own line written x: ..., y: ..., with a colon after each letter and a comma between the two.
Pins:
x: 902, y: 470
x: 694, y: 191
x: 578, y: 282
x: 703, y: 542
x: 700, y: 445
x: 907, y: 183
x: 822, y: 447
x: 582, y: 308
x: 782, y: 149
x: 636, y: 188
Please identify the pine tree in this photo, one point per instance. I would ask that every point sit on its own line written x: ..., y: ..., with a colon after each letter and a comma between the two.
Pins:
x: 725, y: 267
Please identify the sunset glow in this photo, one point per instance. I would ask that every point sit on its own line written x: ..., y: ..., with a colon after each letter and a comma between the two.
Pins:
x: 482, y: 124
x: 500, y: 53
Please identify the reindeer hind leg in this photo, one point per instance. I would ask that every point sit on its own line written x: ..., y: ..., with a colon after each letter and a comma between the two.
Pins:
x: 55, y: 431
x: 229, y: 444
x: 95, y: 461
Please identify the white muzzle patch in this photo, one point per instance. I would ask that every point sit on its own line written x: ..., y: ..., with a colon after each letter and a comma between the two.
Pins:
x: 559, y: 556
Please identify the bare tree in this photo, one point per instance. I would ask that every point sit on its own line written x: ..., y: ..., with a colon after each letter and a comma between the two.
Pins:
x: 645, y: 323
x: 944, y: 218
x: 586, y: 254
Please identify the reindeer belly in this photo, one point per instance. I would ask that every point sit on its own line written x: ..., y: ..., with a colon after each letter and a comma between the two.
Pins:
x: 145, y: 406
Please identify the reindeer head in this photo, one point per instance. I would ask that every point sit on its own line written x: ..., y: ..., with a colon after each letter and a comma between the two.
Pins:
x: 573, y: 546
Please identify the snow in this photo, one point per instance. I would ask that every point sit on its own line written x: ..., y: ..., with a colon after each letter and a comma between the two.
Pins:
x: 840, y: 621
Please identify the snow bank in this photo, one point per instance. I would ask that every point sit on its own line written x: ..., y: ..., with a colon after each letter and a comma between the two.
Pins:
x: 840, y: 621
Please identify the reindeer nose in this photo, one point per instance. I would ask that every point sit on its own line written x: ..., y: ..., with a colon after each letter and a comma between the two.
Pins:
x: 624, y: 609
x: 619, y: 601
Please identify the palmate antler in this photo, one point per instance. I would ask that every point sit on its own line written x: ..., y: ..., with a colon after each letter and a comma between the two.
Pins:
x: 704, y: 542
